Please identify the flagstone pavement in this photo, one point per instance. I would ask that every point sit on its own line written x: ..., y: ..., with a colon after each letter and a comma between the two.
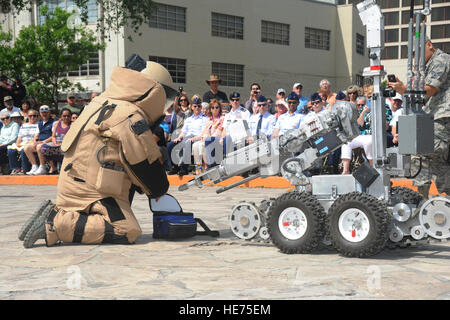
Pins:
x: 204, y: 267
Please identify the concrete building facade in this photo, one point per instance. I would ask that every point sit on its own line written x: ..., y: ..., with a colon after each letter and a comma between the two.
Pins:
x: 396, y: 14
x: 272, y: 43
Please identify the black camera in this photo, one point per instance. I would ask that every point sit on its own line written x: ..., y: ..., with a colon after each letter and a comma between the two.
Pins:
x: 255, y: 91
x: 180, y: 89
x: 389, y: 92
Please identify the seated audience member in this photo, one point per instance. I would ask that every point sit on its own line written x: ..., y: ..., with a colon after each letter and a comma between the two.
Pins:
x: 281, y: 107
x: 324, y: 97
x: 289, y: 120
x: 236, y: 113
x: 17, y: 117
x: 26, y: 135
x: 325, y: 88
x: 226, y: 108
x: 184, y: 104
x: 281, y: 94
x: 214, y: 92
x: 353, y: 93
x: 316, y: 103
x: 8, y: 135
x: 397, y: 110
x: 44, y: 136
x: 302, y: 100
x: 75, y: 116
x: 262, y: 123
x: 52, y: 150
x: 364, y: 140
x: 340, y: 96
x: 73, y: 103
x: 9, y: 104
x: 191, y: 132
x: 25, y: 108
x: 211, y: 137
x: 271, y: 108
x: 205, y: 108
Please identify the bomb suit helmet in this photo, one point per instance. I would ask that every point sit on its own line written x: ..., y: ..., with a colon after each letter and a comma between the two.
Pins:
x: 161, y: 75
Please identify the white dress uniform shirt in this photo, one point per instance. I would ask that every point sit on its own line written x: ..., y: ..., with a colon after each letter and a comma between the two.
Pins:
x: 267, y: 124
x: 239, y: 114
x: 288, y: 121
x: 194, y: 125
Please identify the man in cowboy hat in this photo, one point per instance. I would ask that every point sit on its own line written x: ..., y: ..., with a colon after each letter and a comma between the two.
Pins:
x: 214, y: 92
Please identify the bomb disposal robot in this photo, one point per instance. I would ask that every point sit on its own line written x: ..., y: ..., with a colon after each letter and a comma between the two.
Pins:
x: 359, y: 214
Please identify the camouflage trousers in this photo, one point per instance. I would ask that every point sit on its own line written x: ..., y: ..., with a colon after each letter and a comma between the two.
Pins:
x: 437, y: 165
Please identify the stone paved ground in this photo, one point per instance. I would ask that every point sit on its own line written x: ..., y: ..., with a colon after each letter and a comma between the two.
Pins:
x: 203, y: 267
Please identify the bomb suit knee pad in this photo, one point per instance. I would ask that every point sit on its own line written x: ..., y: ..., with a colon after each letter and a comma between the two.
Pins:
x: 108, y: 221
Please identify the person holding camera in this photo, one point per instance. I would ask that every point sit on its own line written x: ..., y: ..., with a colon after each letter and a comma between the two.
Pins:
x: 255, y: 92
x: 214, y: 92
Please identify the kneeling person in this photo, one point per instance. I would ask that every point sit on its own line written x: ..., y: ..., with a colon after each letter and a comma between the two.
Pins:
x: 107, y: 150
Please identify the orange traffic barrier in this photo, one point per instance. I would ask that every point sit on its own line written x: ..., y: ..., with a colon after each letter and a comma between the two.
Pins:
x: 175, y: 180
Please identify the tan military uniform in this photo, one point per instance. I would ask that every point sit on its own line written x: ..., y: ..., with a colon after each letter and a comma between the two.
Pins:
x: 107, y: 149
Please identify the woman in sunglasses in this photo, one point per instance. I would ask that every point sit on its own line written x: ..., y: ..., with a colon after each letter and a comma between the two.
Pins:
x: 16, y: 151
x: 8, y: 134
x: 210, y: 138
x: 52, y: 150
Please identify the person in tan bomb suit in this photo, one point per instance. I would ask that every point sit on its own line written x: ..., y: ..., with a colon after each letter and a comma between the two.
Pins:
x: 107, y: 150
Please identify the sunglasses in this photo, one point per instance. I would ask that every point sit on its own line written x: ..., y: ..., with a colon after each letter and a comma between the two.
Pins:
x: 183, y: 100
x: 66, y: 116
x: 315, y: 102
x: 235, y: 100
x: 4, y: 118
x: 33, y: 116
x: 361, y: 104
x: 292, y: 102
x: 196, y: 106
x: 215, y: 107
x: 262, y: 105
x: 352, y: 92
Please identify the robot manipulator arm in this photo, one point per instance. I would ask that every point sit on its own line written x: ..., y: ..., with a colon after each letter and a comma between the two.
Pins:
x: 318, y: 135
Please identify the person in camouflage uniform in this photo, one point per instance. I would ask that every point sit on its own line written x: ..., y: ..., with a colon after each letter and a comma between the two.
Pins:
x: 437, y: 87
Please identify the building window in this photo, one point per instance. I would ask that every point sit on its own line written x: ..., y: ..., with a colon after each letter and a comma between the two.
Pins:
x: 404, y: 34
x: 176, y: 67
x: 404, y: 52
x: 439, y: 14
x: 274, y: 32
x: 317, y: 38
x: 386, y: 4
x: 440, y: 31
x: 226, y: 26
x: 440, y: 1
x: 360, y: 44
x: 391, y: 35
x: 69, y: 5
x: 90, y: 68
x: 405, y: 17
x: 232, y: 75
x: 340, y: 2
x: 389, y: 53
x: 168, y: 17
x: 359, y: 80
x: 390, y: 18
x: 444, y: 46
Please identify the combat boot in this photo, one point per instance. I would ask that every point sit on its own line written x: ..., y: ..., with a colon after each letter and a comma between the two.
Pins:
x: 37, y: 231
x: 27, y: 226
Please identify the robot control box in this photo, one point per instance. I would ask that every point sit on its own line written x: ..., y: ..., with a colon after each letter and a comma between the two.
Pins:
x: 416, y: 134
